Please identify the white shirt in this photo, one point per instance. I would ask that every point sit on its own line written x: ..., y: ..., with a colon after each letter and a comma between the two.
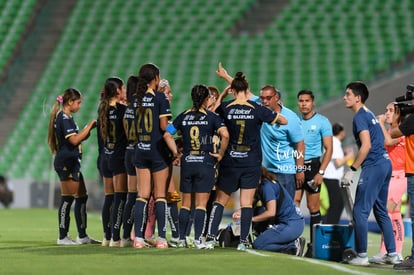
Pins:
x: 331, y: 172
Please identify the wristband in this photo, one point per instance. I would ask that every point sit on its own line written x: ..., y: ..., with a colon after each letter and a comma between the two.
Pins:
x: 353, y: 168
x: 300, y: 170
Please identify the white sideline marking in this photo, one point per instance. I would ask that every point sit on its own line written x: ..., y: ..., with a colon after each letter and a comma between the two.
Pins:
x: 334, y: 266
x: 254, y: 252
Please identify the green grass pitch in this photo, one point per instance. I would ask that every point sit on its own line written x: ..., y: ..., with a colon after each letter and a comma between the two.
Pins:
x: 28, y: 246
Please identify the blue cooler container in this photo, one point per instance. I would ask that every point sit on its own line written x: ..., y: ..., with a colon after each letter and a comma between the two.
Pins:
x: 330, y: 241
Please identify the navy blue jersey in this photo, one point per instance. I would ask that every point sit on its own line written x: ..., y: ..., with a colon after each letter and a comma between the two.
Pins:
x: 364, y: 119
x: 68, y: 156
x: 198, y: 129
x: 129, y: 122
x: 244, y: 120
x: 65, y: 126
x: 115, y: 143
x: 150, y: 142
x: 288, y: 210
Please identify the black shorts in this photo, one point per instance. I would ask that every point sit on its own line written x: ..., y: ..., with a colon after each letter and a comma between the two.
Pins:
x: 67, y: 166
x: 196, y: 178
x: 154, y: 161
x: 311, y: 168
x: 112, y: 165
x: 230, y: 179
x: 129, y: 162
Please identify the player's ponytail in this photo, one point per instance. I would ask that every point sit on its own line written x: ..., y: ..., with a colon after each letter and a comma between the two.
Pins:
x: 146, y: 74
x: 109, y: 92
x: 51, y: 139
x: 239, y: 83
x: 131, y: 88
x: 68, y: 94
x: 198, y: 94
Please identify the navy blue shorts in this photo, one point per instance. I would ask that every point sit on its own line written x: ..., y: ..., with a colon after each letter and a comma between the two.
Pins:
x: 196, y: 178
x: 154, y: 161
x: 112, y: 165
x: 129, y: 161
x: 230, y: 179
x: 67, y: 166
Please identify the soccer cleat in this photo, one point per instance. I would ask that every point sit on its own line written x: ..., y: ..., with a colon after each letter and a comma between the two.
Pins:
x: 309, y: 253
x: 189, y: 241
x: 113, y: 243
x: 161, y: 243
x: 241, y: 247
x: 173, y: 242
x: 105, y: 242
x: 87, y: 240
x: 360, y: 261
x: 152, y: 241
x: 127, y: 243
x: 140, y: 243
x: 210, y: 244
x: 198, y: 244
x: 392, y: 259
x: 377, y: 259
x: 182, y: 244
x: 385, y: 259
x: 300, y: 246
x: 407, y: 264
x: 66, y: 241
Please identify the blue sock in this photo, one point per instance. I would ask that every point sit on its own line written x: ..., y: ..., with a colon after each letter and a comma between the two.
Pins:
x: 215, y: 219
x: 80, y: 215
x: 64, y: 215
x: 190, y: 222
x: 106, y: 215
x: 128, y: 220
x: 161, y: 216
x: 140, y: 216
x: 173, y: 219
x: 183, y: 220
x: 315, y: 218
x: 199, y: 223
x: 117, y: 213
x: 245, y: 223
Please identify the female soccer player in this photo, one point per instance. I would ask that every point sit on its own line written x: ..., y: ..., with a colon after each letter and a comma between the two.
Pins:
x: 197, y: 127
x: 111, y: 130
x: 64, y: 139
x: 130, y: 131
x: 151, y: 153
x: 241, y: 164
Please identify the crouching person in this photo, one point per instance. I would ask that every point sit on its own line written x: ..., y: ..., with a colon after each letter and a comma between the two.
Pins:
x: 278, y: 222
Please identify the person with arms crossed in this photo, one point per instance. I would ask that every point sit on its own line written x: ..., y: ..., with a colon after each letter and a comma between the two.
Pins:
x: 283, y: 146
x: 372, y: 189
x: 242, y: 161
x: 64, y: 140
x: 317, y: 131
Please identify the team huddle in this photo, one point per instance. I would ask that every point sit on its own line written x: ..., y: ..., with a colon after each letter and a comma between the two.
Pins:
x: 248, y: 143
